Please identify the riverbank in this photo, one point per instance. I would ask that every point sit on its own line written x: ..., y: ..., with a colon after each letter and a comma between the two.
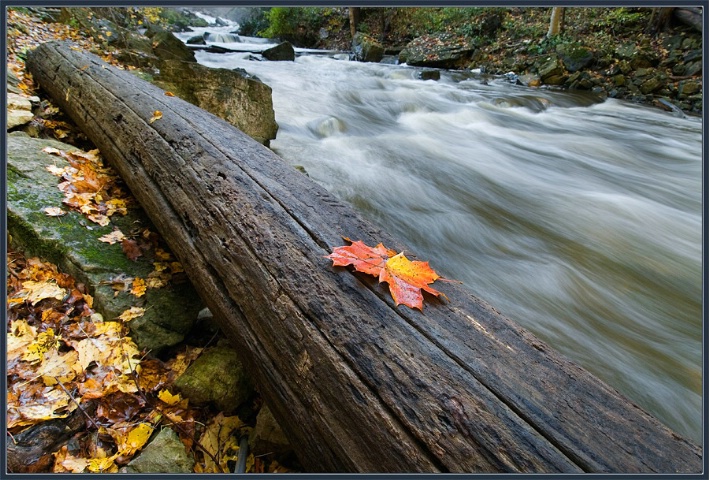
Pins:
x: 623, y: 53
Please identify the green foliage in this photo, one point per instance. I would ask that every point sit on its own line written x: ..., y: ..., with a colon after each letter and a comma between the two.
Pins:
x: 286, y: 21
x: 255, y: 22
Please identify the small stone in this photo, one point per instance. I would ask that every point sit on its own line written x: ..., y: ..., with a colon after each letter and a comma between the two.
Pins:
x: 164, y: 454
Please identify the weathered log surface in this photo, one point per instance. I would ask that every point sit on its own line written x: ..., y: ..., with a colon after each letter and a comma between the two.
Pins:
x: 356, y: 383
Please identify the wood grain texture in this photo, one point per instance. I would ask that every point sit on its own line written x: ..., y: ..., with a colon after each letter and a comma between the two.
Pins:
x: 357, y: 384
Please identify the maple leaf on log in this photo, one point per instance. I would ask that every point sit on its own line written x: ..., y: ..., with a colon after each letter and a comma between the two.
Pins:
x: 406, y: 278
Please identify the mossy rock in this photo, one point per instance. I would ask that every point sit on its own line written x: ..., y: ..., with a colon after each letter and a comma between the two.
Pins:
x: 217, y: 377
x: 71, y: 242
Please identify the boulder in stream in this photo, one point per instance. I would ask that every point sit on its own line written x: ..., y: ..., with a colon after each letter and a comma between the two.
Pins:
x: 281, y: 52
x: 241, y: 100
x: 366, y: 49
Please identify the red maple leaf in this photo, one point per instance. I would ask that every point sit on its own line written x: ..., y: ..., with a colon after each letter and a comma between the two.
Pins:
x: 406, y: 278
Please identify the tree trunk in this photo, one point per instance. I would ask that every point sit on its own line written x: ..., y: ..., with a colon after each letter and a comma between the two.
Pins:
x: 659, y: 19
x: 358, y: 384
x: 354, y: 19
x: 556, y: 23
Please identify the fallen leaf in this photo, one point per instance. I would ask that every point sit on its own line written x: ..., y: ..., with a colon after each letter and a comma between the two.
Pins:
x: 169, y: 94
x: 131, y: 313
x: 54, y: 212
x: 365, y: 259
x: 37, y: 291
x: 157, y: 115
x: 113, y: 237
x: 406, y: 278
x: 139, y: 287
x: 131, y: 249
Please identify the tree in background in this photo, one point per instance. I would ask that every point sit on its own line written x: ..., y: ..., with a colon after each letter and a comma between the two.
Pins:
x: 354, y: 19
x: 556, y: 24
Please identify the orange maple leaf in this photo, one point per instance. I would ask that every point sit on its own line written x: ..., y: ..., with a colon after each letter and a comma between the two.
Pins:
x: 406, y: 278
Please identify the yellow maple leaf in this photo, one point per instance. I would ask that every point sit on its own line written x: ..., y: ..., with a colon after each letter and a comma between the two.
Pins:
x: 134, y: 440
x: 162, y: 255
x: 139, y: 287
x: 64, y: 462
x: 21, y: 335
x: 103, y: 465
x: 170, y: 399
x: 59, y: 367
x: 44, y: 342
x: 218, y: 440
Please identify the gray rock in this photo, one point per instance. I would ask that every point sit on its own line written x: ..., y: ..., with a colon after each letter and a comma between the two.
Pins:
x: 267, y: 436
x: 551, y: 71
x: 241, y: 100
x: 281, y: 52
x: 19, y: 110
x: 430, y: 75
x: 164, y: 454
x: 366, y: 49
x: 72, y: 243
x: 437, y: 51
x: 196, y: 40
x: 217, y: 376
x: 166, y: 46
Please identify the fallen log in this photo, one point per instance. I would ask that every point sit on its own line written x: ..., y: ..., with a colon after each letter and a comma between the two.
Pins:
x: 357, y: 384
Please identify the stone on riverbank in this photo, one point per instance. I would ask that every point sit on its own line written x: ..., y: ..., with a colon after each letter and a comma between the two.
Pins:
x: 217, y: 376
x: 164, y: 454
x: 438, y: 51
x: 71, y: 241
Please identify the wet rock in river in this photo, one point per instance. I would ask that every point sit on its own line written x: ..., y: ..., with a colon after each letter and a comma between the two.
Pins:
x: 366, y: 49
x: 281, y: 52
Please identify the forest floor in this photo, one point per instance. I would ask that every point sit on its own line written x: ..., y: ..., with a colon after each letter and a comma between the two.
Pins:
x: 66, y: 366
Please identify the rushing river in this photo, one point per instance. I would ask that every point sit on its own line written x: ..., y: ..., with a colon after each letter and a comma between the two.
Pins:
x: 578, y: 218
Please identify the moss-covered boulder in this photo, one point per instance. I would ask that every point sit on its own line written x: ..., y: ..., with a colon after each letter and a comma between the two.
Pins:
x: 238, y: 98
x: 71, y: 242
x: 366, y: 49
x: 575, y: 57
x: 217, y: 377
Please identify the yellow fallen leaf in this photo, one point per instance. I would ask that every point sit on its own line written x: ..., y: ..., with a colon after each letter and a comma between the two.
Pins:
x: 103, y: 465
x: 169, y: 94
x: 102, y: 220
x: 157, y: 115
x: 139, y: 287
x: 170, y: 399
x: 34, y: 292
x: 135, y: 440
x: 64, y: 462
